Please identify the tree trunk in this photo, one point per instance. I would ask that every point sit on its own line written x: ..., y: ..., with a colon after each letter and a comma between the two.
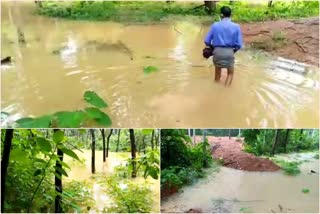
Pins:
x: 210, y: 6
x: 118, y: 142
x: 157, y: 140
x: 152, y: 143
x: 93, y: 148
x: 58, y: 181
x: 58, y: 184
x: 133, y: 153
x: 103, y: 144
x: 7, y: 144
x: 269, y: 3
x: 194, y: 136
x: 108, y: 141
x: 275, y: 142
x: 286, y: 140
x: 204, y: 135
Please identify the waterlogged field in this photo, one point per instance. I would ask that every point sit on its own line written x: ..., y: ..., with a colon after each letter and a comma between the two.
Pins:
x: 51, y: 71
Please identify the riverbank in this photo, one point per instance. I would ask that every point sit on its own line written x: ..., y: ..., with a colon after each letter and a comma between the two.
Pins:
x: 282, y: 29
x: 238, y: 191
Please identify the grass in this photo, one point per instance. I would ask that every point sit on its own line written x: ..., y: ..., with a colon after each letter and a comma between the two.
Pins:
x: 148, y: 12
x: 289, y: 168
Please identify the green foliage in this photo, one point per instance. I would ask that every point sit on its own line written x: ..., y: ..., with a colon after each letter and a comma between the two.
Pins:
x: 92, y: 98
x: 316, y: 156
x: 71, y: 119
x: 31, y: 171
x: 260, y: 141
x: 149, y: 69
x: 127, y: 196
x: 160, y: 11
x: 305, y: 190
x: 289, y: 168
x: 181, y: 163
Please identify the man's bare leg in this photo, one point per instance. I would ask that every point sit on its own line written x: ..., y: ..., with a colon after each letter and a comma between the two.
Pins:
x: 217, y: 74
x: 230, y: 76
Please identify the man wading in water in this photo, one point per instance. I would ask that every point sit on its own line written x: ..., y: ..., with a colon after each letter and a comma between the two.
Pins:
x: 226, y: 39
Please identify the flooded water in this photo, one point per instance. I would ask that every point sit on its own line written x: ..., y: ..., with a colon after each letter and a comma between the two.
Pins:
x: 61, y: 59
x: 232, y: 190
x: 82, y: 172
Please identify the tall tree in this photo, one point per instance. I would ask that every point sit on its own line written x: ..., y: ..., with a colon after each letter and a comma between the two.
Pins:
x: 286, y: 140
x: 7, y: 144
x: 276, y: 139
x: 103, y: 144
x: 58, y: 180
x: 269, y: 3
x: 152, y: 143
x: 118, y: 142
x: 93, y: 148
x: 133, y: 153
x: 108, y: 141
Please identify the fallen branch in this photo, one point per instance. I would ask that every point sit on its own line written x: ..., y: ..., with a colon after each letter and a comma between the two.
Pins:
x: 300, y: 47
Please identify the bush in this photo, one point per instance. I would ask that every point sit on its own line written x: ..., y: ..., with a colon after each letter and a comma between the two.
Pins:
x: 289, y: 168
x: 157, y: 11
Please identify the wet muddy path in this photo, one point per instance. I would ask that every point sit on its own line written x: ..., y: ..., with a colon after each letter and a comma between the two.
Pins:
x: 61, y: 59
x: 231, y: 190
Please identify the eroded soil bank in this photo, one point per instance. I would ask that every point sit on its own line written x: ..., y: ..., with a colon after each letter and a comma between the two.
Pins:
x: 293, y: 39
x: 230, y: 150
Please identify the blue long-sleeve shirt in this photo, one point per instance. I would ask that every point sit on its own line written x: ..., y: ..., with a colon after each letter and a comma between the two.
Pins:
x: 224, y: 33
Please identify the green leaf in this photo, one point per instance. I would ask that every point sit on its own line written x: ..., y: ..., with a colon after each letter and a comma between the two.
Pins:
x: 149, y: 69
x: 61, y: 171
x: 64, y: 164
x: 147, y: 131
x: 69, y: 119
x: 44, y: 144
x: 99, y: 116
x: 70, y: 153
x: 18, y: 155
x: 92, y: 98
x: 37, y: 172
x: 153, y: 173
x: 40, y: 122
x: 58, y: 136
x: 305, y: 190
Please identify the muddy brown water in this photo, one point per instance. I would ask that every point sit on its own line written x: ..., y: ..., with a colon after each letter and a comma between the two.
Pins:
x: 61, y: 59
x: 231, y: 190
x: 82, y: 172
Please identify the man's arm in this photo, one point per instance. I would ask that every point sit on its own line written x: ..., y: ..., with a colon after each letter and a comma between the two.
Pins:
x: 238, y: 42
x: 209, y: 37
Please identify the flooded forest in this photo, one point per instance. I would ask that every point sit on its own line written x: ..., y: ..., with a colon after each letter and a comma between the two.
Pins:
x: 240, y: 171
x: 73, y: 170
x: 149, y: 66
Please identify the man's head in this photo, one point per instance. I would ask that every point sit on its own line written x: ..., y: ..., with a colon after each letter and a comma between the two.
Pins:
x: 225, y: 12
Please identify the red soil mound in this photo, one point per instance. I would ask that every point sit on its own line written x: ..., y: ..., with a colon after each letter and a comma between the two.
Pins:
x: 230, y: 150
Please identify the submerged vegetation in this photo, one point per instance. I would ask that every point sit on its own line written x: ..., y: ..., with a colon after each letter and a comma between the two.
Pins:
x: 37, y: 170
x: 133, y: 12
